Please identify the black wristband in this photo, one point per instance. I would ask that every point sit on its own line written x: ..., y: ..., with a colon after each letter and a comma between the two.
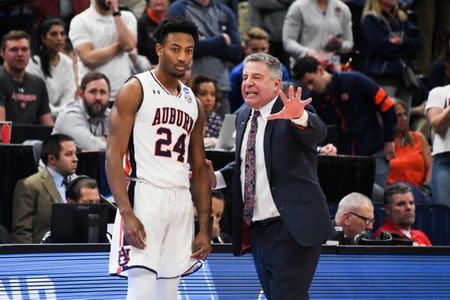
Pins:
x: 116, y: 13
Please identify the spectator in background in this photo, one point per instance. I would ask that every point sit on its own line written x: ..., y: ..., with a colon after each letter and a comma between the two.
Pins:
x: 355, y: 214
x: 205, y: 89
x: 270, y: 15
x: 64, y: 9
x: 23, y: 96
x: 53, y: 66
x: 217, y: 208
x: 219, y: 45
x: 438, y: 113
x: 434, y: 24
x: 317, y: 28
x: 391, y: 41
x: 102, y: 37
x: 412, y: 162
x: 83, y: 190
x: 400, y: 214
x: 155, y: 12
x: 256, y: 40
x: 352, y: 102
x: 87, y: 120
x: 440, y: 69
x: 80, y: 190
x: 34, y: 195
x: 70, y: 52
x: 136, y: 6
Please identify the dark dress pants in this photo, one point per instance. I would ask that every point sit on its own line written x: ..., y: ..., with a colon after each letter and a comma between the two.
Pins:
x: 285, y: 269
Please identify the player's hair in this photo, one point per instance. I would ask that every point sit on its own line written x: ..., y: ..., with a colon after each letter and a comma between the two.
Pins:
x: 270, y: 61
x: 395, y: 189
x: 92, y: 76
x: 177, y: 24
x: 305, y: 65
x: 52, y: 146
x: 14, y: 35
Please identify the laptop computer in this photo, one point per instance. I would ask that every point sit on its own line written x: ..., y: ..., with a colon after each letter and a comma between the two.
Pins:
x: 226, y: 139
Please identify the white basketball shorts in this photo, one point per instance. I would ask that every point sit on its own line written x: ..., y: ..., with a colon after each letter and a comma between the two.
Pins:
x: 168, y: 219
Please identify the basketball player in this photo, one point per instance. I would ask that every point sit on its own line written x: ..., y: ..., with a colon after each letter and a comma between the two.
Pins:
x: 155, y: 136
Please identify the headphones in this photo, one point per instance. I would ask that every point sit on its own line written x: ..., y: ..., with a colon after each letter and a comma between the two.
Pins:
x: 365, y: 238
x: 70, y: 188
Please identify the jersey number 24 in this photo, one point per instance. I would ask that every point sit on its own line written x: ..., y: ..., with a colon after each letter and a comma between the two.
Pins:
x: 164, y: 144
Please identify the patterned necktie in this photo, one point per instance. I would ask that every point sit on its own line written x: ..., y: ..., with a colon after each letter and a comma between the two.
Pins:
x: 250, y: 170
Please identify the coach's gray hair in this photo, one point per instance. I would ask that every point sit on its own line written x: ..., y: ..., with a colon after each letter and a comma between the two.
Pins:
x: 271, y: 62
x: 351, y: 202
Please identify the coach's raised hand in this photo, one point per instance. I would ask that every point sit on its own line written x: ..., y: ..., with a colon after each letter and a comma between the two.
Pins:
x: 293, y: 108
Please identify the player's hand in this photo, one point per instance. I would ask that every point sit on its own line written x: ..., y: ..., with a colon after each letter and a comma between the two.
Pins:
x: 134, y: 231
x: 212, y: 177
x: 202, y: 246
x: 293, y: 107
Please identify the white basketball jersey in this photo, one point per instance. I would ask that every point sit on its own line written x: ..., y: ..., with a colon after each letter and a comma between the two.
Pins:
x: 159, y: 143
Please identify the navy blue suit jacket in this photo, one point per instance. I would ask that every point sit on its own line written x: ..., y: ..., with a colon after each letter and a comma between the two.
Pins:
x: 291, y: 162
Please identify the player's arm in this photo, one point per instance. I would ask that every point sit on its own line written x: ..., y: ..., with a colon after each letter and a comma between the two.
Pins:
x: 121, y: 122
x: 200, y: 187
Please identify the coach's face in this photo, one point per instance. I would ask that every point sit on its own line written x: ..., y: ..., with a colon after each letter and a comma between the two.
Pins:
x: 259, y: 86
x: 175, y: 53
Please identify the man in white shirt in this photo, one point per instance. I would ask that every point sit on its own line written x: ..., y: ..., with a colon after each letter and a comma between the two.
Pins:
x: 103, y: 37
x: 438, y: 113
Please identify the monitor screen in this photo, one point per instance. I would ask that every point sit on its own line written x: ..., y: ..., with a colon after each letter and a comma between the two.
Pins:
x: 22, y: 132
x: 79, y: 223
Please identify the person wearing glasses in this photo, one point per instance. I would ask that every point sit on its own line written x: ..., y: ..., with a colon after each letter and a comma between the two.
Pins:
x: 400, y: 213
x: 354, y: 214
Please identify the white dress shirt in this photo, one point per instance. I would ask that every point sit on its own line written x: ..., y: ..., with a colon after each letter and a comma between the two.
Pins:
x: 264, y: 205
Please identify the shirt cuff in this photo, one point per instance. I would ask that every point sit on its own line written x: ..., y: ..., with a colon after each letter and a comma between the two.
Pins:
x: 220, y: 181
x: 302, y: 121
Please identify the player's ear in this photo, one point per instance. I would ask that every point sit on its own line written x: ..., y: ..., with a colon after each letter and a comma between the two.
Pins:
x: 158, y: 48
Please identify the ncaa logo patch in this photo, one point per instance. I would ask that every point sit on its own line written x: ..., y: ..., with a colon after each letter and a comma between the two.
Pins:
x: 187, y: 95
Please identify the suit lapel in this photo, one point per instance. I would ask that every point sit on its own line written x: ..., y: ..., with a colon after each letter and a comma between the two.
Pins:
x: 50, y: 186
x: 241, y: 124
x: 278, y: 105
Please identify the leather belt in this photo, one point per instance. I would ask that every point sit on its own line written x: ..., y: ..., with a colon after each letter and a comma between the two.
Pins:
x: 263, y: 223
